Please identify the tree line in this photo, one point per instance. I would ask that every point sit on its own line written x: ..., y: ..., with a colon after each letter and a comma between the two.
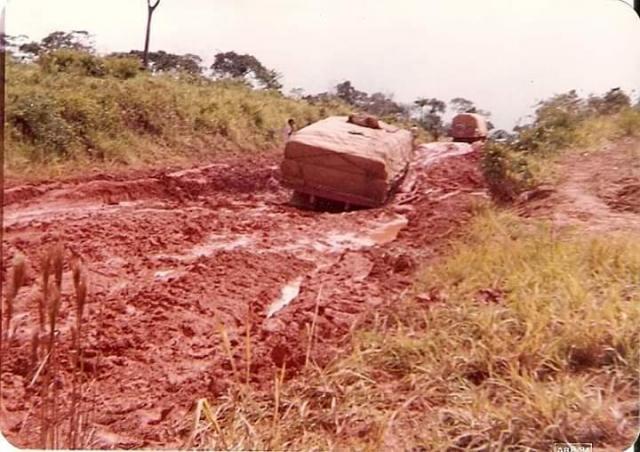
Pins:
x: 425, y: 112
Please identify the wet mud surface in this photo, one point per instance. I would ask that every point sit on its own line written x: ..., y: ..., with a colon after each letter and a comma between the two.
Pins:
x: 177, y: 260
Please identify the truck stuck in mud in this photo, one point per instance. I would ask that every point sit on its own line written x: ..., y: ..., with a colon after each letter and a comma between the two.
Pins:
x: 356, y: 161
x: 360, y: 161
x: 469, y: 128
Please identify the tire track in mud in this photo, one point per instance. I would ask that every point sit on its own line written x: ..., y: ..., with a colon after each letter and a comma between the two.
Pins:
x: 173, y: 258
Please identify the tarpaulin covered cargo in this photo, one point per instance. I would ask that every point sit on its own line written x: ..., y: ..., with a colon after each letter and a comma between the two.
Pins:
x: 338, y: 160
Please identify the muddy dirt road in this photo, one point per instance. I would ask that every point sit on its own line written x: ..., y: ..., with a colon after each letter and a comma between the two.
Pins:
x: 599, y: 191
x: 175, y: 258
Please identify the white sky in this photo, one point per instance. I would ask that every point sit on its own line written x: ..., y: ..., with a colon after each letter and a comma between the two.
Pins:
x: 503, y: 54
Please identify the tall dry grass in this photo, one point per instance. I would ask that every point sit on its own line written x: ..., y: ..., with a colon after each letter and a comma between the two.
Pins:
x: 61, y: 421
x: 16, y: 281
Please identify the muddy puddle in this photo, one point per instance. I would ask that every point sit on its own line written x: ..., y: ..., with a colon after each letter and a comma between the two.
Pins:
x: 334, y: 241
x: 55, y: 212
x: 288, y: 293
x: 431, y: 153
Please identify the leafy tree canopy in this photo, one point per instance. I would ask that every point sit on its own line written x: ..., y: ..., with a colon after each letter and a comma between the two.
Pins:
x: 245, y: 67
x: 162, y: 61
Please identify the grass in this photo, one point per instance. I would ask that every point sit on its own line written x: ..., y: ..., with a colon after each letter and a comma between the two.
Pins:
x: 522, y: 337
x: 60, y: 423
x: 61, y: 122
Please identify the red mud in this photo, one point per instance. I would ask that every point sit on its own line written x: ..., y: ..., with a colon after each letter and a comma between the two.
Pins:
x: 172, y: 256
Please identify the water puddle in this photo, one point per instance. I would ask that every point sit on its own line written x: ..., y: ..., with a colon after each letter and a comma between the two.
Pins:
x: 336, y: 241
x: 388, y: 232
x: 164, y: 275
x: 289, y: 293
x: 220, y: 243
x: 431, y: 153
x: 197, y: 172
x: 379, y: 234
x: 50, y: 213
x: 74, y: 211
x: 214, y: 244
x: 330, y: 243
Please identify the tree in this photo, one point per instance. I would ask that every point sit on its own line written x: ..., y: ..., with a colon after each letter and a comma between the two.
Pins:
x: 150, y: 9
x: 348, y: 93
x: 23, y: 49
x: 78, y: 40
x: 246, y: 68
x: 13, y: 46
x: 380, y: 104
x: 8, y: 42
x: 462, y: 105
x: 612, y: 102
x: 561, y: 110
x: 434, y: 106
x: 162, y: 61
x: 30, y: 49
x: 429, y: 112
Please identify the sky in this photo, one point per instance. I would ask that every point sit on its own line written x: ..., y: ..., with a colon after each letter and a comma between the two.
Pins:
x: 505, y: 55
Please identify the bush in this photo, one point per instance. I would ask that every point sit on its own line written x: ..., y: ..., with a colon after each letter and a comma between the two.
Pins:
x: 71, y: 61
x: 563, y: 122
x: 628, y: 122
x: 38, y: 120
x: 122, y: 68
x: 506, y: 171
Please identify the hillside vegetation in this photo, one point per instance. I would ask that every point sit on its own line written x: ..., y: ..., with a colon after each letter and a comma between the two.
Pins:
x: 69, y: 108
x: 561, y: 123
x: 76, y: 108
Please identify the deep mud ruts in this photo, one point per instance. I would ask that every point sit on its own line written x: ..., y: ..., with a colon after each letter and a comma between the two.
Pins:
x: 174, y: 257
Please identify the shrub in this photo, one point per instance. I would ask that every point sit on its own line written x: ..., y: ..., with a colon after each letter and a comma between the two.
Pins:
x: 71, y: 61
x: 122, y: 68
x: 38, y: 120
x: 628, y: 122
x: 506, y: 171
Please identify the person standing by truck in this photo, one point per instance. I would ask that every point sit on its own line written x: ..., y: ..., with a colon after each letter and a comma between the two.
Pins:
x: 289, y: 129
x: 414, y: 135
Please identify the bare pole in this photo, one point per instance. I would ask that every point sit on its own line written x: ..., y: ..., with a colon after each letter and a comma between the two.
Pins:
x: 150, y: 9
